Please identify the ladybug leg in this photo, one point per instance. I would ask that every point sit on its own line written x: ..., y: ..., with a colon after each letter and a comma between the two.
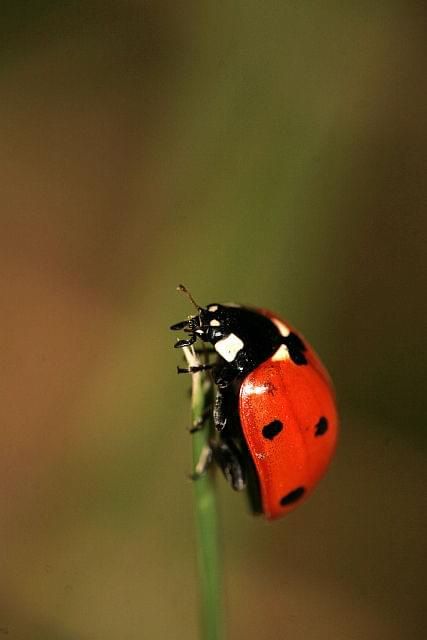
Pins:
x: 201, y: 367
x: 230, y: 460
x: 198, y: 424
x: 224, y: 376
x: 203, y: 463
x: 221, y: 409
x: 185, y: 342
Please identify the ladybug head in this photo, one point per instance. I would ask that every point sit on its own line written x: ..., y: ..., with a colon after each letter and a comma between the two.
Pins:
x: 210, y: 324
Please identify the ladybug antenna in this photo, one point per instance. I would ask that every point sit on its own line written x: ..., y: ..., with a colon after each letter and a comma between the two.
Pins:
x: 186, y: 292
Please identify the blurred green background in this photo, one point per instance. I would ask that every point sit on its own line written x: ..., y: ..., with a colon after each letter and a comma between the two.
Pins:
x: 269, y: 153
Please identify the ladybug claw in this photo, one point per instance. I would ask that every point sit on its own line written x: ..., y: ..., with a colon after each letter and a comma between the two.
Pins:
x: 198, y: 424
x: 185, y: 342
x: 201, y: 367
x: 203, y: 464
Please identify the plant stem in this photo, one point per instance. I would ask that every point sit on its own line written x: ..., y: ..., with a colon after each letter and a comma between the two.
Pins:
x: 206, y: 517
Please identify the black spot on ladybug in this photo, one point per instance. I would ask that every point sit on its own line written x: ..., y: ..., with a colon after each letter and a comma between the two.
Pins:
x: 271, y: 430
x: 321, y: 427
x: 292, y: 497
x: 296, y: 348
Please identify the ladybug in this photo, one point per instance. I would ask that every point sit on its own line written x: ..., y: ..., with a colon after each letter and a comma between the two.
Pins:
x: 274, y: 408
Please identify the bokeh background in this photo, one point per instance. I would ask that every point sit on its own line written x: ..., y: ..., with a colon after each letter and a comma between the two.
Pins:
x: 270, y: 153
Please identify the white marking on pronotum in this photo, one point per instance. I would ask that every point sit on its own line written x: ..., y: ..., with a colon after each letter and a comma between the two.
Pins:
x: 213, y: 307
x: 283, y: 329
x: 255, y: 389
x: 229, y: 347
x: 214, y: 323
x: 282, y: 353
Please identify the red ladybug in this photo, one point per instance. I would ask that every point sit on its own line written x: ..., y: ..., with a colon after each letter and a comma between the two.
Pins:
x: 274, y: 409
